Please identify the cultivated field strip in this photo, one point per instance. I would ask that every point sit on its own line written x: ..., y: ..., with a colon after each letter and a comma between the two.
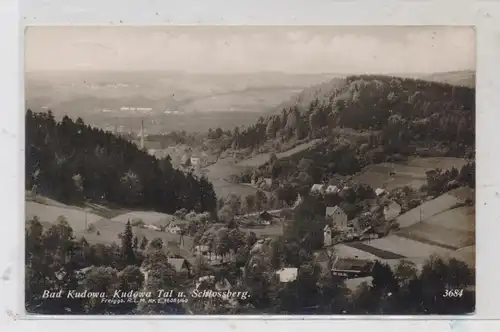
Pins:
x: 439, y: 236
x: 428, y: 209
x: 461, y: 219
x: 411, y: 173
x: 263, y: 158
x: 148, y: 217
x: 399, y: 246
x: 109, y: 230
x: 74, y: 216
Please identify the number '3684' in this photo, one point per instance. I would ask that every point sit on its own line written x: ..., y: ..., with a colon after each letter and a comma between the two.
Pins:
x: 453, y: 293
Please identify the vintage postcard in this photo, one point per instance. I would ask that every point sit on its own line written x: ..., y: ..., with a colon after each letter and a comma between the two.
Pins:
x: 239, y: 170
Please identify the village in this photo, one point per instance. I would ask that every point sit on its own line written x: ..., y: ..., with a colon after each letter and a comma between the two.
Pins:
x: 338, y: 230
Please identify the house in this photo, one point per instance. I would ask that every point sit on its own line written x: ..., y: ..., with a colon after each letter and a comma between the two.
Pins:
x: 352, y: 267
x: 332, y: 190
x: 391, y: 211
x: 327, y: 236
x: 195, y: 161
x: 184, y: 159
x: 202, y: 249
x: 267, y: 182
x: 379, y: 191
x: 354, y: 223
x: 211, y: 257
x: 337, y: 216
x: 287, y: 274
x: 173, y: 228
x: 318, y: 188
x: 181, y: 265
x: 298, y: 201
x: 222, y: 285
x: 265, y: 216
x: 153, y: 227
x: 205, y: 280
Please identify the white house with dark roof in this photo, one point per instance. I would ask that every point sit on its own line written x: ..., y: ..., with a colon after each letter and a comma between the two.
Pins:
x: 318, y: 188
x: 379, y: 191
x: 336, y: 216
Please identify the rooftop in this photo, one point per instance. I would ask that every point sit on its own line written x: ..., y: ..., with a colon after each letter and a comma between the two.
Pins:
x: 352, y: 264
x: 177, y: 263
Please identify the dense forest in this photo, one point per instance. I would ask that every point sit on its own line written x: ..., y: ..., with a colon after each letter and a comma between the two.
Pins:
x: 72, y: 162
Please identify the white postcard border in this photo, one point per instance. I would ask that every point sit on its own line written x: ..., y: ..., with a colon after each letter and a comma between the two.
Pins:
x: 485, y: 15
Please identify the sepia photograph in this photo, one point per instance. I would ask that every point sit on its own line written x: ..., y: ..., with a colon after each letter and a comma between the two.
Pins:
x: 250, y: 170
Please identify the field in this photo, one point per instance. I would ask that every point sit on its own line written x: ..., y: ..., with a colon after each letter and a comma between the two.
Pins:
x: 48, y: 213
x: 410, y: 173
x: 405, y: 247
x: 461, y: 218
x: 434, y: 207
x: 108, y: 228
x: 148, y: 217
x: 263, y: 158
x: 439, y: 236
x: 219, y: 174
x: 467, y: 255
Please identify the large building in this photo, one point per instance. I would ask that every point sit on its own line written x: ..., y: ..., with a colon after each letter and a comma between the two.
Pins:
x: 336, y: 216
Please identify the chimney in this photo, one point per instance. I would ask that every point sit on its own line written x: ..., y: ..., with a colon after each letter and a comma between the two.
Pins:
x: 142, y: 134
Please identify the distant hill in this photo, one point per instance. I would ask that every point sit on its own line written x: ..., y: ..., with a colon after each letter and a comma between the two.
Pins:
x: 81, y: 93
x: 460, y: 78
x: 323, y: 91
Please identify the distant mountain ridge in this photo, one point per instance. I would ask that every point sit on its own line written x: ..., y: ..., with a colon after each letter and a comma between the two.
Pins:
x: 83, y: 92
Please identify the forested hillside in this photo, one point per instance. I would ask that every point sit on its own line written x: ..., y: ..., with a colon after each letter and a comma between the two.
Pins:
x: 368, y: 119
x: 72, y: 162
x: 418, y: 110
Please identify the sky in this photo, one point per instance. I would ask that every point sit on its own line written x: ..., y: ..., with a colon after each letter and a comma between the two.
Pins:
x: 247, y: 49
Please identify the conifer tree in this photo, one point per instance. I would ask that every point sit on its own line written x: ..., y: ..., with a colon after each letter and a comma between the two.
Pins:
x: 127, y: 245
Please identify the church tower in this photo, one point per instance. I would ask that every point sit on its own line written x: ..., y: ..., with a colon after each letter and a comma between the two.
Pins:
x: 142, y: 135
